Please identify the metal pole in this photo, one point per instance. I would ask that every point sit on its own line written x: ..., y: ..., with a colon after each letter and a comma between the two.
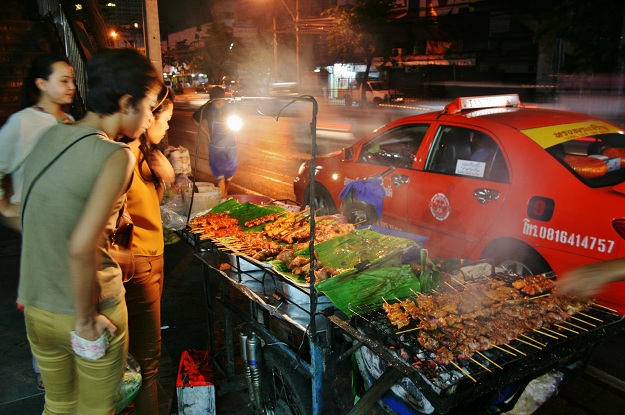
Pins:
x: 152, y: 34
x: 295, y: 18
x: 275, y: 49
x: 297, y: 52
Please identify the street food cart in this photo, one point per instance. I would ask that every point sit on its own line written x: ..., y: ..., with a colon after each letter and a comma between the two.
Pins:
x: 304, y: 342
x: 296, y: 343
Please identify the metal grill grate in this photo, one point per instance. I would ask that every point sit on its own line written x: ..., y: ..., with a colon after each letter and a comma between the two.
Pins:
x: 585, y: 329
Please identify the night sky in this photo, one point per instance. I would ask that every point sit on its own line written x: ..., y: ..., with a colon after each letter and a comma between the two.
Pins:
x: 175, y: 15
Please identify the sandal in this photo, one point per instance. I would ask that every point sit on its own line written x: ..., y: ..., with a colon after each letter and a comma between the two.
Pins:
x: 40, y: 384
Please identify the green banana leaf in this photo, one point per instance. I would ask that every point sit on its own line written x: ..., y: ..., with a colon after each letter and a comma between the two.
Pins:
x: 361, y: 291
x: 358, y: 247
x: 246, y: 211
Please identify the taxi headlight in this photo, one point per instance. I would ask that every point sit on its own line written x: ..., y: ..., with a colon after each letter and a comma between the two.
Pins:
x: 302, y: 168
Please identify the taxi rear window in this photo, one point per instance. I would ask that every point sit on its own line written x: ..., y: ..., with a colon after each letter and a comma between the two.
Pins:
x: 597, y: 160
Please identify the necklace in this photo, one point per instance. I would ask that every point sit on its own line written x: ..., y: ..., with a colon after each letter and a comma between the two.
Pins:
x: 64, y: 119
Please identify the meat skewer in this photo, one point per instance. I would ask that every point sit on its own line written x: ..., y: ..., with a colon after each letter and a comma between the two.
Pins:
x: 395, y: 314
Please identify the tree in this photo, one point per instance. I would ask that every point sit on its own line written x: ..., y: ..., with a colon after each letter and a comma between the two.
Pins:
x: 215, y: 52
x: 218, y: 52
x: 593, y: 33
x: 360, y: 32
x: 181, y: 56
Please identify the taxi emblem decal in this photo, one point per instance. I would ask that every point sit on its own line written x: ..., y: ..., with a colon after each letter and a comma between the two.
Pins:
x: 439, y: 206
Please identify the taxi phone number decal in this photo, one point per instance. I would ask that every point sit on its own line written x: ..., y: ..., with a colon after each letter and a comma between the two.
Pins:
x: 580, y: 241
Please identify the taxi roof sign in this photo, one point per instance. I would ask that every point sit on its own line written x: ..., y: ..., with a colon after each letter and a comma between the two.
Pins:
x: 480, y: 102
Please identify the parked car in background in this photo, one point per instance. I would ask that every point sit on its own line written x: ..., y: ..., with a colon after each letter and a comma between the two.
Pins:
x: 376, y: 93
x: 537, y: 190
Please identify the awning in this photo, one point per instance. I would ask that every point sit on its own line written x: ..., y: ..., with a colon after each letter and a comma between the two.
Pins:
x: 425, y: 60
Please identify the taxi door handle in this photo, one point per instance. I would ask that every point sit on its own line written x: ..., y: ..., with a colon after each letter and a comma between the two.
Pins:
x: 400, y: 179
x: 484, y: 195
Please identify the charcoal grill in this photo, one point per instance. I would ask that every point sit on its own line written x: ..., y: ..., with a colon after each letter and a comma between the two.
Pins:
x: 455, y: 385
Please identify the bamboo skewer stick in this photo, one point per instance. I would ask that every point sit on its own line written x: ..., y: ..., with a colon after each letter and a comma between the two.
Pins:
x: 566, y: 328
x: 539, y: 296
x: 408, y: 330
x: 463, y: 371
x: 575, y: 325
x: 592, y: 317
x: 502, y: 349
x: 604, y: 307
x: 534, y: 340
x: 529, y: 344
x: 416, y: 293
x: 458, y: 281
x: 545, y: 334
x: 481, y: 365
x: 555, y: 332
x: 583, y: 321
x: 516, y: 350
x: 486, y: 357
x: 451, y: 286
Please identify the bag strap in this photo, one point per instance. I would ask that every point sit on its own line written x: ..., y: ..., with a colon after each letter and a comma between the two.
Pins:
x: 41, y: 173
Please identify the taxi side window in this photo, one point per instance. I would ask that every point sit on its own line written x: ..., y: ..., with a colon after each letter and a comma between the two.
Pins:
x: 397, y: 147
x: 466, y: 152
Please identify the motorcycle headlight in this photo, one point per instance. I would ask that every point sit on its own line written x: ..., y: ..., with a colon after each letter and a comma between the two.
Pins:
x: 234, y: 122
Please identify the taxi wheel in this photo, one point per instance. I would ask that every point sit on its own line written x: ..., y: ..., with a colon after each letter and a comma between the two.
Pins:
x: 324, y: 205
x: 517, y: 257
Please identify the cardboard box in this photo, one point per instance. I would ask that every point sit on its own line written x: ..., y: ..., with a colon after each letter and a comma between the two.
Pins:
x: 195, y: 386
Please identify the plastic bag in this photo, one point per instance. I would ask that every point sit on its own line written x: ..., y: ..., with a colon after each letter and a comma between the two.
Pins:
x: 180, y: 159
x: 537, y: 392
x: 173, y: 220
x: 131, y: 384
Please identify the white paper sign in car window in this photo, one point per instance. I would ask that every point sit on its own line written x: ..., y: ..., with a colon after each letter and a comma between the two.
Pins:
x: 470, y: 168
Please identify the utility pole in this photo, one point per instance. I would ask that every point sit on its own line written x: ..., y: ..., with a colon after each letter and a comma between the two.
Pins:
x: 275, y: 48
x: 152, y: 33
x: 297, y: 52
x: 295, y: 17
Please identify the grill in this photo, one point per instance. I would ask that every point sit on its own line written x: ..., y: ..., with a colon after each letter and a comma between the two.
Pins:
x: 452, y: 384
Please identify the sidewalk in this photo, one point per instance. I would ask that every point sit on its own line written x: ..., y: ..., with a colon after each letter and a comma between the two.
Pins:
x: 183, y: 320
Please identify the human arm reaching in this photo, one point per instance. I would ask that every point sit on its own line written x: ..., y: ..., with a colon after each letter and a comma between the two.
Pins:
x: 162, y: 169
x: 588, y: 280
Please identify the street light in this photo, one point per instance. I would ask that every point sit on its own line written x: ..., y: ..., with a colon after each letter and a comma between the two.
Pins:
x: 116, y: 36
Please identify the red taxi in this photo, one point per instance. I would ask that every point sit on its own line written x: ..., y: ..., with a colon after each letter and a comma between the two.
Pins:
x: 535, y: 189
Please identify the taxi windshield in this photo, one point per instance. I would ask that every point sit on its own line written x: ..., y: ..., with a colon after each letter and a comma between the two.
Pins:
x: 597, y: 160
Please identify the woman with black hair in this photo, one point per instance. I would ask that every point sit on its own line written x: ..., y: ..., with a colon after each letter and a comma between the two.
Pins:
x: 152, y: 172
x: 75, y: 180
x: 48, y: 88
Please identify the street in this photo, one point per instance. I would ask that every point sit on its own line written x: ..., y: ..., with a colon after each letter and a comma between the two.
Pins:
x: 270, y: 151
x: 275, y: 139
